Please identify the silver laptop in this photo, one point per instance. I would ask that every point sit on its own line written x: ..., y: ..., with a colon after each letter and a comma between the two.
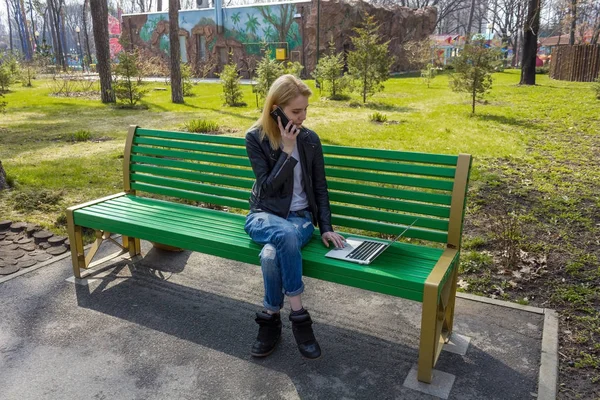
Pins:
x: 363, y: 251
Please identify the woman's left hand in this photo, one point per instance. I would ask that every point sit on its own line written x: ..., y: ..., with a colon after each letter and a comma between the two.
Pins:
x: 335, y: 238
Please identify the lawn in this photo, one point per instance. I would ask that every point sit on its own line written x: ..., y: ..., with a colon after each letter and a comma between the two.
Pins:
x: 533, y: 219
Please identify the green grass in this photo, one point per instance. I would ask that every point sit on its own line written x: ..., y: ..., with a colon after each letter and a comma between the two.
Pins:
x: 535, y: 158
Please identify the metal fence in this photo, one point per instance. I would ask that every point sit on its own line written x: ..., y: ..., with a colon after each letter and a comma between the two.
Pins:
x: 579, y: 63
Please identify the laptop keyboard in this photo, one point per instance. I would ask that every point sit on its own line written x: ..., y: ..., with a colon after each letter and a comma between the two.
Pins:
x: 365, y: 250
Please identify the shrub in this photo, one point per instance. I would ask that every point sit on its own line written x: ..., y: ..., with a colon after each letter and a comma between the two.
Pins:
x: 186, y: 80
x: 329, y: 73
x: 542, y: 70
x: 127, y: 90
x: 232, y: 94
x: 428, y: 73
x: 201, y: 126
x: 293, y: 68
x: 378, y: 117
x: 81, y: 135
x: 596, y: 87
x: 354, y: 104
x: 6, y: 77
x: 266, y: 72
x: 3, y: 104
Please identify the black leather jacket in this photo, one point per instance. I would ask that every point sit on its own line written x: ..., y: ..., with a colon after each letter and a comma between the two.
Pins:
x: 274, y: 172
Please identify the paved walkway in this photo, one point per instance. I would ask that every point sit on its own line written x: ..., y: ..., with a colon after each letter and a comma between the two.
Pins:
x: 180, y: 326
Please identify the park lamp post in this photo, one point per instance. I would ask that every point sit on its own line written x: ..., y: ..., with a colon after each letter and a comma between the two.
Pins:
x: 77, y: 30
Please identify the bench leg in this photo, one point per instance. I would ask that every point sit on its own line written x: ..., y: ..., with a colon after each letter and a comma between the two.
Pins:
x: 76, y: 243
x: 436, y: 324
x: 133, y: 245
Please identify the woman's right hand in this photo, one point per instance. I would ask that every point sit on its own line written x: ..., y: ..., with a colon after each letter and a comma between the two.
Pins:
x: 289, y: 134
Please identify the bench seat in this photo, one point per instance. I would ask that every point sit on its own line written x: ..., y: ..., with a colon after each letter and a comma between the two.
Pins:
x: 400, y: 271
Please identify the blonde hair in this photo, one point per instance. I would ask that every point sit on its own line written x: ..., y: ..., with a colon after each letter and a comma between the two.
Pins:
x: 285, y: 89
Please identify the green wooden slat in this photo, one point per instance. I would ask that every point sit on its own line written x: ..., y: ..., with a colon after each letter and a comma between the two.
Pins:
x: 184, y: 194
x: 390, y: 204
x: 414, y: 169
x: 207, y: 148
x: 190, y: 186
x: 371, y: 177
x: 220, y: 245
x: 318, y: 273
x: 387, y: 216
x: 186, y: 155
x: 395, y: 155
x: 389, y: 229
x: 194, y: 137
x: 195, y: 176
x: 194, y: 166
x: 425, y: 197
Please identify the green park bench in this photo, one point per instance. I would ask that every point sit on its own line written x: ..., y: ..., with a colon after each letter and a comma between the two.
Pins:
x: 371, y: 191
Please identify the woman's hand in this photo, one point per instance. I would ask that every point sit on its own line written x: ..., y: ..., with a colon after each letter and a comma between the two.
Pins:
x: 288, y: 136
x: 335, y: 238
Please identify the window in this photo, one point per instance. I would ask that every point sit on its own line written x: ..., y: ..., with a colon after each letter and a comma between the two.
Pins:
x: 201, y: 47
x: 182, y: 49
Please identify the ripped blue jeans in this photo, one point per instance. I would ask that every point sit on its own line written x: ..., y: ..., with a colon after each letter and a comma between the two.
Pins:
x: 280, y: 258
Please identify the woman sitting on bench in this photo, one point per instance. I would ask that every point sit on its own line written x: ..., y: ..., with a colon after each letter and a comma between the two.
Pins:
x: 288, y: 197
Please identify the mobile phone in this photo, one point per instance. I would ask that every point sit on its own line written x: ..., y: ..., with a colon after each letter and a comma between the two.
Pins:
x: 278, y: 112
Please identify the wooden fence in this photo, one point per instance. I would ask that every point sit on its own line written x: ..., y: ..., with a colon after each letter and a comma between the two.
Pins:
x: 579, y: 63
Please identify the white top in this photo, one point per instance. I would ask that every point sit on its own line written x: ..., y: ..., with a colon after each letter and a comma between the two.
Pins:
x: 299, y: 199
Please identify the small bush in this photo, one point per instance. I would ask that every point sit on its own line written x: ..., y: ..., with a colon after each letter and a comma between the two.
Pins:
x: 355, y: 104
x: 201, y: 126
x: 3, y: 105
x: 378, y: 117
x: 186, y: 80
x: 232, y: 94
x: 596, y: 88
x: 542, y: 70
x: 36, y: 199
x: 81, y: 135
x: 293, y: 68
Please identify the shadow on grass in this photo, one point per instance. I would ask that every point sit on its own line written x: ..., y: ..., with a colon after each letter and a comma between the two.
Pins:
x: 386, y: 107
x: 501, y: 119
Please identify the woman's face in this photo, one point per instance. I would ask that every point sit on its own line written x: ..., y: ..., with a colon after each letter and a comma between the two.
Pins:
x: 296, y: 110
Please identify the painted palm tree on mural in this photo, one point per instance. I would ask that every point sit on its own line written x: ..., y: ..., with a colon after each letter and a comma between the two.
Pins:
x: 235, y: 18
x: 252, y: 24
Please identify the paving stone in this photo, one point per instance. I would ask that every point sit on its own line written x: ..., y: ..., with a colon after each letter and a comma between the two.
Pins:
x: 7, y: 262
x: 11, y: 254
x: 29, y: 262
x: 45, y: 245
x: 42, y: 236
x: 18, y: 226
x: 28, y: 246
x: 5, y: 225
x: 56, y: 250
x: 2, y: 236
x: 42, y: 257
x: 9, y: 270
x: 10, y: 236
x: 22, y: 240
x: 32, y: 228
x: 57, y: 240
x: 9, y: 246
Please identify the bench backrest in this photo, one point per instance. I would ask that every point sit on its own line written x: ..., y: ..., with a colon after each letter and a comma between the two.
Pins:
x: 370, y: 189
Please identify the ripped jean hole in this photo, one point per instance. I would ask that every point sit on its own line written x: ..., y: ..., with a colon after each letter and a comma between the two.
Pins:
x: 306, y: 224
x: 268, y: 252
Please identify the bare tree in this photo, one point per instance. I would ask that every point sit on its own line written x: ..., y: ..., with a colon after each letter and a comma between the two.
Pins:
x: 84, y: 16
x: 99, y: 9
x: 176, y: 87
x: 573, y: 16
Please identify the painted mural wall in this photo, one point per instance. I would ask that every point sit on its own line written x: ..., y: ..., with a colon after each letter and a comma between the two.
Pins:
x: 207, y: 36
x: 243, y: 31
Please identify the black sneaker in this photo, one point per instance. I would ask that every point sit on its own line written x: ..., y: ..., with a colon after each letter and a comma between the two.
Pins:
x: 305, y: 338
x: 269, y: 332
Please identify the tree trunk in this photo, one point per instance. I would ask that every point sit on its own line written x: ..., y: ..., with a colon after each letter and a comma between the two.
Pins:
x: 470, y: 23
x: 158, y: 5
x: 176, y: 88
x: 3, y: 184
x: 530, y: 31
x: 573, y: 22
x: 85, y: 33
x: 27, y: 39
x: 9, y: 26
x: 55, y: 30
x: 99, y: 10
